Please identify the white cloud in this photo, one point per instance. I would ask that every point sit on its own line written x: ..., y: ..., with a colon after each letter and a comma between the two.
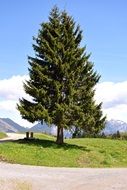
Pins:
x: 113, y: 96
x: 10, y: 91
x: 118, y: 112
x: 8, y: 105
x: 12, y: 88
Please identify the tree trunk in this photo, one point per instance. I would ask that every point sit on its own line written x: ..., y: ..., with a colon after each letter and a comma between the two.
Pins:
x: 59, y: 135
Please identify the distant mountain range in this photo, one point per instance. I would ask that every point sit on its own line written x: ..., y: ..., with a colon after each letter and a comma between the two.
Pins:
x: 44, y: 128
x: 14, y: 124
x: 112, y: 126
x: 8, y: 125
x: 5, y: 127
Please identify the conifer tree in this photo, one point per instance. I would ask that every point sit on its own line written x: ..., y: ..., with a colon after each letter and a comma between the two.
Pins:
x: 62, y: 79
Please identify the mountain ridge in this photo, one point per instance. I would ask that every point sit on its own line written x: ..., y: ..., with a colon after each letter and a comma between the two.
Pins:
x: 5, y: 127
x: 14, y: 124
x: 112, y: 126
x: 8, y: 125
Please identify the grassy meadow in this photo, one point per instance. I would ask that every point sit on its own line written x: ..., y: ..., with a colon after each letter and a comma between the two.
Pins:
x: 85, y: 152
x: 2, y: 135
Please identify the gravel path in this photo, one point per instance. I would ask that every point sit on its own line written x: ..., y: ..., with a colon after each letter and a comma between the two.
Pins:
x: 20, y: 177
x: 12, y: 136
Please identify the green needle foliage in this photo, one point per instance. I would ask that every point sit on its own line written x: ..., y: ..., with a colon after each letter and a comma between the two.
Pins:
x: 62, y: 79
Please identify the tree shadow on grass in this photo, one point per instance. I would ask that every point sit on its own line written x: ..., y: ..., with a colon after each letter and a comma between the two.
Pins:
x: 49, y: 143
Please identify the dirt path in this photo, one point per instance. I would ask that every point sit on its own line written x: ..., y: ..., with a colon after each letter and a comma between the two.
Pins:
x: 20, y: 177
x: 12, y: 136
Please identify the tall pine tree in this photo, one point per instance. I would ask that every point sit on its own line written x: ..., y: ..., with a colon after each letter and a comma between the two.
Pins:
x: 62, y: 79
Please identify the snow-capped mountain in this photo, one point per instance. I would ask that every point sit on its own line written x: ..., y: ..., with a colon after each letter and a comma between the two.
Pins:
x: 8, y: 125
x: 112, y: 126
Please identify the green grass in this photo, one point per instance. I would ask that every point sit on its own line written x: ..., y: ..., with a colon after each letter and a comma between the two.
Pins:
x: 2, y: 135
x: 87, y: 152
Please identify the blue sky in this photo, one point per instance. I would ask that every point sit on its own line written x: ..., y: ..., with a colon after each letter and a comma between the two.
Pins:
x: 104, y: 25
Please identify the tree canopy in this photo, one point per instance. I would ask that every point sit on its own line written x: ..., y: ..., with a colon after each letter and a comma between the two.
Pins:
x: 62, y: 79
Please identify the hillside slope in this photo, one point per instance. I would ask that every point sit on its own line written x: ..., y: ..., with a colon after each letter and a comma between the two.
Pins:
x: 5, y: 127
x: 14, y: 124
